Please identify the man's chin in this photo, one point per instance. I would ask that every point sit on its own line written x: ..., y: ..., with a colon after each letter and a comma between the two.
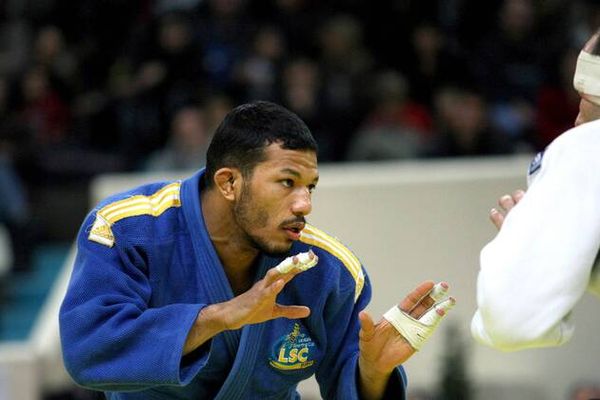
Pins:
x: 276, y: 252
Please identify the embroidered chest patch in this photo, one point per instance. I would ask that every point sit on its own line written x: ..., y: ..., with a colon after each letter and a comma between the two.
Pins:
x: 293, y: 351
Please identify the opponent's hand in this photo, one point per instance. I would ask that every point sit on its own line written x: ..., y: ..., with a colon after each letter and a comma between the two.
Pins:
x: 383, y: 347
x: 259, y: 303
x: 506, y: 203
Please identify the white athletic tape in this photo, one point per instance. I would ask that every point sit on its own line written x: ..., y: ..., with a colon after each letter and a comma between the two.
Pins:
x: 304, y: 262
x: 438, y: 291
x: 587, y: 76
x: 431, y: 317
x: 416, y: 332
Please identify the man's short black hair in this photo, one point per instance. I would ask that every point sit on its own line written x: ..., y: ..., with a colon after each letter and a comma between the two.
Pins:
x: 242, y: 136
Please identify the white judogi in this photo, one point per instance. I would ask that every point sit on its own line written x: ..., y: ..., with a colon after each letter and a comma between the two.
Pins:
x: 540, y: 263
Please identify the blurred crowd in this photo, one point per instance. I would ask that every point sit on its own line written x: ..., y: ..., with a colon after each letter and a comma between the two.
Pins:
x: 92, y: 86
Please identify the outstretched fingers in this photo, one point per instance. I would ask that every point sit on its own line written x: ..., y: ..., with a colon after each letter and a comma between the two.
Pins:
x: 437, y: 293
x: 290, y: 312
x: 497, y: 218
x: 518, y: 195
x: 415, y: 297
x: 506, y: 203
x: 434, y: 315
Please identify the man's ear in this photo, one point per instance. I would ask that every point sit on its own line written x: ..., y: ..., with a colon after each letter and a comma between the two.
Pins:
x: 227, y: 180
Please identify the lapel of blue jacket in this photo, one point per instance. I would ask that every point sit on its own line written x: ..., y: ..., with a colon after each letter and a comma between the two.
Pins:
x: 213, y: 277
x: 244, y: 366
x: 243, y: 344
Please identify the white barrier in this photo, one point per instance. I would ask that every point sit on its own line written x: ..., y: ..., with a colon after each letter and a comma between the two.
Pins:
x: 407, y: 222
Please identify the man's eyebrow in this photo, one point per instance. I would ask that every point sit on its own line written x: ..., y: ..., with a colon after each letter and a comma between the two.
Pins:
x: 296, y: 173
x: 291, y: 172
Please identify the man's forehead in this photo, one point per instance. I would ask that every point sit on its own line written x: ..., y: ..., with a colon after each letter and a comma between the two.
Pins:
x: 274, y: 152
x: 283, y: 160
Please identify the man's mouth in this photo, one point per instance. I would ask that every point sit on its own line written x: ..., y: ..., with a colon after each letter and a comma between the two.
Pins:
x: 294, y: 229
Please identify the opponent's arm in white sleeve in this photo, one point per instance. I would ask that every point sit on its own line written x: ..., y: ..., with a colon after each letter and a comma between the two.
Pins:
x: 538, y: 266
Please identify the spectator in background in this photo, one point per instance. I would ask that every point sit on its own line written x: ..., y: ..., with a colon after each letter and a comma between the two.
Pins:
x: 258, y: 73
x: 215, y: 108
x: 509, y: 69
x: 43, y: 112
x: 396, y: 127
x: 187, y: 144
x: 51, y: 53
x: 299, y: 20
x: 165, y: 75
x: 462, y: 126
x: 557, y: 102
x: 344, y: 64
x: 15, y: 44
x: 301, y: 92
x: 223, y: 30
x: 432, y: 63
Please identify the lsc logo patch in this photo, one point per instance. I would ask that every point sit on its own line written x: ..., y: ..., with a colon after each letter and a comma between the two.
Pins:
x: 292, y: 351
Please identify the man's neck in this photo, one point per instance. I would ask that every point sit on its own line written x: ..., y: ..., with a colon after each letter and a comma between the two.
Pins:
x: 236, y: 256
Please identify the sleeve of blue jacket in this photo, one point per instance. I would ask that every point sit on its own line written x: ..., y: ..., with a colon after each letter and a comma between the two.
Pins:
x: 338, y: 375
x: 111, y: 338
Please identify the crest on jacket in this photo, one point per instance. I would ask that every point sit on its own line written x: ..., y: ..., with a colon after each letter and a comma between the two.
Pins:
x: 293, y: 351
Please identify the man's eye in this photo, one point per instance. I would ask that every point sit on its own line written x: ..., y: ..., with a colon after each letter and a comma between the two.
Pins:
x: 311, y: 188
x: 287, y: 183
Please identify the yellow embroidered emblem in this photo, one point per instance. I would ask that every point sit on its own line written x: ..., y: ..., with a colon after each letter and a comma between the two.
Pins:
x: 293, y: 351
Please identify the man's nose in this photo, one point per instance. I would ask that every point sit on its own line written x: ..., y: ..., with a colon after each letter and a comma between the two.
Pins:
x: 302, y: 203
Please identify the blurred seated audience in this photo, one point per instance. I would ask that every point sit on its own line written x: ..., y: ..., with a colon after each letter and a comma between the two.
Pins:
x: 557, y: 102
x: 187, y: 143
x: 462, y: 126
x: 395, y: 128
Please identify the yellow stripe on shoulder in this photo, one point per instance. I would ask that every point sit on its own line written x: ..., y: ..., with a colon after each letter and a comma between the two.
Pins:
x: 316, y: 237
x: 153, y: 205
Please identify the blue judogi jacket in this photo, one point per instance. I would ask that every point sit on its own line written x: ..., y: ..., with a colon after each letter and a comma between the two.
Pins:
x: 146, y: 266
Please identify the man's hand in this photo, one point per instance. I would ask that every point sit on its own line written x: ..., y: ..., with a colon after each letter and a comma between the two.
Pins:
x: 259, y: 303
x: 506, y: 203
x: 382, y: 347
x: 252, y: 307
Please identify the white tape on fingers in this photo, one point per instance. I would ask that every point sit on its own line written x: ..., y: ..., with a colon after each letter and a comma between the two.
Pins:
x: 305, y: 262
x: 439, y: 291
x: 416, y: 332
x: 432, y: 317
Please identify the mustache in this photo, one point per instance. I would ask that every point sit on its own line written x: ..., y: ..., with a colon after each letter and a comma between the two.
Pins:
x: 295, y: 220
